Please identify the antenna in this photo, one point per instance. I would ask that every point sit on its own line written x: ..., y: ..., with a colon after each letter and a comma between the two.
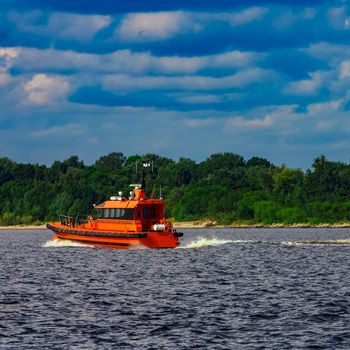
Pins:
x: 153, y: 190
x: 143, y: 182
x: 160, y: 192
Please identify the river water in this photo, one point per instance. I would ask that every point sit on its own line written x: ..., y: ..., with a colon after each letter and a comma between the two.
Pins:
x: 221, y: 289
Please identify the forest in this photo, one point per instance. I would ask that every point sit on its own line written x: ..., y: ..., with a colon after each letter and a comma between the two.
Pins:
x: 224, y: 188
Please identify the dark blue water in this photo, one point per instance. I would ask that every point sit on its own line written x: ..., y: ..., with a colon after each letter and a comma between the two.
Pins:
x: 259, y: 291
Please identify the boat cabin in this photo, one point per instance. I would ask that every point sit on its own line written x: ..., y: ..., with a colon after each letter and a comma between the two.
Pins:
x: 139, y: 212
x: 122, y: 223
x: 136, y: 210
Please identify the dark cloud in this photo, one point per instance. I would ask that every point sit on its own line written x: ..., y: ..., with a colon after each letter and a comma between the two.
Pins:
x: 282, y: 27
x: 108, y: 6
x: 295, y: 64
x: 220, y: 74
x: 234, y: 100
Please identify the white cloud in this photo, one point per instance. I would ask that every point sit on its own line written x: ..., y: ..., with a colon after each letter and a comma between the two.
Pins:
x: 126, y: 61
x: 241, y: 79
x: 234, y: 19
x: 196, y: 123
x: 44, y: 89
x: 247, y: 16
x: 344, y: 71
x: 8, y: 53
x: 207, y: 98
x: 4, y: 78
x: 70, y: 129
x: 233, y: 59
x: 326, y: 125
x: 73, y: 26
x: 7, y: 56
x: 308, y: 86
x: 60, y: 25
x: 337, y: 56
x: 176, y: 64
x: 140, y: 27
x: 290, y: 17
x: 278, y: 122
x: 240, y: 122
x: 154, y: 26
x: 287, y: 125
x: 338, y: 18
x: 329, y: 106
x: 333, y: 53
x: 336, y: 79
x: 199, y: 99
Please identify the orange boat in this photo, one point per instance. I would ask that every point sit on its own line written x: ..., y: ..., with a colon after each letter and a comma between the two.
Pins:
x: 136, y: 221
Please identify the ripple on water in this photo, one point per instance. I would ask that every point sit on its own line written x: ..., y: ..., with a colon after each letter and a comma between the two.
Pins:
x: 228, y: 289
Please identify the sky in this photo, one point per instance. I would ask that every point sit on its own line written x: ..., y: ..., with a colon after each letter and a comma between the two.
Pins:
x: 176, y: 78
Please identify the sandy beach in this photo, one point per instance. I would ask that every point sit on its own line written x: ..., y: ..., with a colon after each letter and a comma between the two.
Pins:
x: 24, y: 227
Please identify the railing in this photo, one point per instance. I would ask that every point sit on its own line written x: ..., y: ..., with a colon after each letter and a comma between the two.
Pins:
x: 67, y: 220
x: 73, y: 220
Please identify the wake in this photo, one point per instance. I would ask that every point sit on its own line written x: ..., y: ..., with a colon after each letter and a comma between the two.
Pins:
x: 62, y: 243
x: 201, y: 242
x: 340, y: 242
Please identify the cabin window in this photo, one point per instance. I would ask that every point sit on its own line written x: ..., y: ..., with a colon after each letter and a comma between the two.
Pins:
x: 98, y: 213
x: 115, y: 213
x: 119, y: 213
x: 139, y: 213
x: 149, y: 212
x: 128, y: 214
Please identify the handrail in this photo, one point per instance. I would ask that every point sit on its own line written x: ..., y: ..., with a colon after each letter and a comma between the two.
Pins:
x: 68, y: 220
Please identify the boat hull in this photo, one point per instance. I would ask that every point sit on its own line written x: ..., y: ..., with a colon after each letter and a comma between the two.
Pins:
x: 119, y: 240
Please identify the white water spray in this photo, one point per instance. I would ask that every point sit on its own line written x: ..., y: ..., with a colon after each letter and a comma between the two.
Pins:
x: 201, y: 242
x: 61, y: 243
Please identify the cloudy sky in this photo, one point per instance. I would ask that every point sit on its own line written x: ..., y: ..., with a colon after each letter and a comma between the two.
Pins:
x: 177, y: 78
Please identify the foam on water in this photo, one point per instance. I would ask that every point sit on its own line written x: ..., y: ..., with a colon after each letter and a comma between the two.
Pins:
x: 60, y: 243
x: 317, y: 242
x: 200, y: 242
x: 290, y: 243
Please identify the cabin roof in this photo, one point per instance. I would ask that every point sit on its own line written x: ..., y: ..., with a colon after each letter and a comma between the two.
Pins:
x: 122, y: 204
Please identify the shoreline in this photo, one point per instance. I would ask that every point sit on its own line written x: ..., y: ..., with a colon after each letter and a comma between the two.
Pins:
x: 213, y: 224
x: 24, y: 227
x: 206, y: 224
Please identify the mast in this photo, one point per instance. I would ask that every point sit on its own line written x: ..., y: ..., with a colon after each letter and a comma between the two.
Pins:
x: 143, y: 181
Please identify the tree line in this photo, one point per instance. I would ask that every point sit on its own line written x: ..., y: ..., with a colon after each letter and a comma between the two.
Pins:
x: 225, y: 188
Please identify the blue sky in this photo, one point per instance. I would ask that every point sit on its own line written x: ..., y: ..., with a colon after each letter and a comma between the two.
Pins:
x: 176, y: 78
